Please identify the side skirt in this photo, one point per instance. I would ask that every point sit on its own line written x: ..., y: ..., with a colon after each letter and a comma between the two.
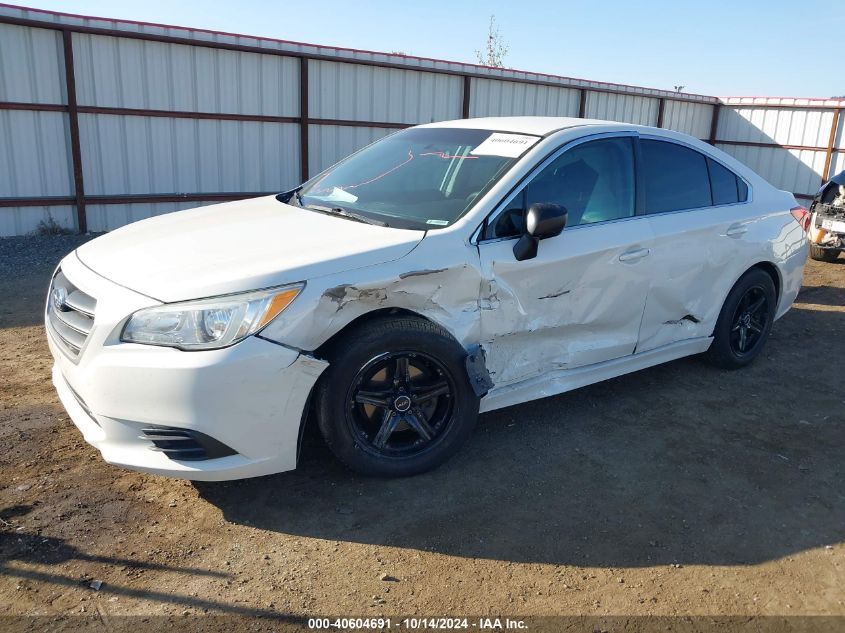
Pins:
x: 562, y: 380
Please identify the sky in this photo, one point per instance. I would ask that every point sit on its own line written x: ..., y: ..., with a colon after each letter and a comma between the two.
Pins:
x: 714, y: 47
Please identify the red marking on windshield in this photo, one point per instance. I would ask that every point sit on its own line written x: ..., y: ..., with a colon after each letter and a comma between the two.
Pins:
x: 445, y: 155
x: 389, y: 171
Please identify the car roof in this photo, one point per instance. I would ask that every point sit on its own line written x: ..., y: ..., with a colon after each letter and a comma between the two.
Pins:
x: 547, y: 125
x: 536, y: 125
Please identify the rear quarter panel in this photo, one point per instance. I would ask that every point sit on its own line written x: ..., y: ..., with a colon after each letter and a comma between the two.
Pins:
x: 697, y: 263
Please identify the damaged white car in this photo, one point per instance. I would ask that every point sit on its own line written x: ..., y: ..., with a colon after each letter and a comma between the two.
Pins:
x: 448, y: 269
x: 827, y: 224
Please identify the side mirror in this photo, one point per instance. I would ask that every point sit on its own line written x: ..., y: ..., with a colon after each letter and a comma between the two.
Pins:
x: 542, y: 220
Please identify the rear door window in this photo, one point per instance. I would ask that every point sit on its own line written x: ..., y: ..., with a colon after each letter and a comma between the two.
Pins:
x: 726, y: 186
x: 742, y: 188
x: 675, y: 177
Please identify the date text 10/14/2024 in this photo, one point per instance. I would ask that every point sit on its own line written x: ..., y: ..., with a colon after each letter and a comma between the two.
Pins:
x: 417, y: 623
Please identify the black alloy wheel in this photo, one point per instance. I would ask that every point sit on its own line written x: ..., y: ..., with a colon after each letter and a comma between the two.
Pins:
x: 395, y: 399
x: 745, y: 320
x: 400, y: 403
x: 750, y: 320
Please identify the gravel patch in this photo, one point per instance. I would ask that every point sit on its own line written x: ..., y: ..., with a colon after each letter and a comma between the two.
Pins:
x: 32, y: 252
x: 26, y: 264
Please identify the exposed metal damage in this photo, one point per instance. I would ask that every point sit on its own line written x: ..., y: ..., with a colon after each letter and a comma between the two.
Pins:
x: 554, y: 295
x: 421, y: 273
x: 476, y: 366
x: 689, y: 318
x: 448, y: 296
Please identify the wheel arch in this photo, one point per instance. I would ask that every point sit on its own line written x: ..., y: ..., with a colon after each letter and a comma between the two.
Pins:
x: 353, y: 350
x: 767, y: 267
x: 324, y: 351
x: 773, y: 272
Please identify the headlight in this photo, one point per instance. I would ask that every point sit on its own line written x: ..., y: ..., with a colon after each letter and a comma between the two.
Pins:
x: 208, y: 323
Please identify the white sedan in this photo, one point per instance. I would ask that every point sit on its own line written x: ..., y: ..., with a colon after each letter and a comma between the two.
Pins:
x: 447, y: 269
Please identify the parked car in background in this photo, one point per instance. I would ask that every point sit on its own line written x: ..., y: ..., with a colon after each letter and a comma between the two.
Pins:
x: 448, y: 269
x: 827, y: 227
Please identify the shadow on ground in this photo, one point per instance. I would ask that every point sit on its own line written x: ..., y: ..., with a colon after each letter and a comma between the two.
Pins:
x: 19, y: 551
x: 823, y: 295
x: 677, y: 464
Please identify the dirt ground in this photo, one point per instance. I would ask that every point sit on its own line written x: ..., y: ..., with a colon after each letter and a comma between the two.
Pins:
x: 677, y: 490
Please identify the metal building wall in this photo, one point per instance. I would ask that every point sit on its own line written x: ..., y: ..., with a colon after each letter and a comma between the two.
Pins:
x: 151, y: 118
x: 135, y: 154
x: 690, y: 118
x: 365, y: 94
x: 34, y: 146
x: 330, y: 143
x: 500, y: 98
x: 788, y: 169
x: 371, y: 93
x: 837, y: 163
x: 148, y: 155
x: 31, y: 66
x: 104, y: 122
x: 795, y: 144
x: 126, y: 73
x: 626, y: 108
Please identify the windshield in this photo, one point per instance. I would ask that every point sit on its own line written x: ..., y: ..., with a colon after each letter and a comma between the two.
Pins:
x: 424, y: 178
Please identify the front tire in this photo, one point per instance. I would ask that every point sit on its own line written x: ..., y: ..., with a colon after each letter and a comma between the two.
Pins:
x: 745, y: 321
x: 823, y: 254
x: 395, y: 400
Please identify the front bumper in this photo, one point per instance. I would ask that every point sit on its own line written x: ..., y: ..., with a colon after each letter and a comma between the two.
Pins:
x: 250, y: 397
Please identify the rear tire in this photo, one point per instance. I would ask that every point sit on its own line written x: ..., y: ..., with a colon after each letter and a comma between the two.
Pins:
x: 744, y: 322
x: 823, y: 254
x: 395, y: 400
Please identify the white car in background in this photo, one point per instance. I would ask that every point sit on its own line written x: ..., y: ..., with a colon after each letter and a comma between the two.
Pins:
x: 448, y: 269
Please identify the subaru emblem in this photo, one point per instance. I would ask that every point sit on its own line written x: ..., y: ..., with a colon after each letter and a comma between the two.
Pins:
x: 59, y: 298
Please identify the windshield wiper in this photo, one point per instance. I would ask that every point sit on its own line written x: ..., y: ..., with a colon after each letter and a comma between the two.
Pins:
x: 345, y: 213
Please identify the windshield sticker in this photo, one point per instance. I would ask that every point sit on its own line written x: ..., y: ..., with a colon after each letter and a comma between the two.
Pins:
x: 437, y: 222
x: 508, y: 145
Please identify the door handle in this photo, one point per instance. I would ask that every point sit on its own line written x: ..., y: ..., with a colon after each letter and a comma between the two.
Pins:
x: 735, y: 230
x: 632, y: 256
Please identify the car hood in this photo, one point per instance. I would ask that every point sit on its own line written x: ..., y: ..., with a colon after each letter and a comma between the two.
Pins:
x: 238, y: 246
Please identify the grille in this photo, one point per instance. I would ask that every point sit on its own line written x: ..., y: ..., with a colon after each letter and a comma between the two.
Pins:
x: 70, y: 315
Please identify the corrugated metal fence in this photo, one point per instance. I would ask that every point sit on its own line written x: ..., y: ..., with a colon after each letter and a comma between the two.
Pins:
x: 105, y: 122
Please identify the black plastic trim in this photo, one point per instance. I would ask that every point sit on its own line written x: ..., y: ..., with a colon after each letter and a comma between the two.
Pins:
x: 185, y: 444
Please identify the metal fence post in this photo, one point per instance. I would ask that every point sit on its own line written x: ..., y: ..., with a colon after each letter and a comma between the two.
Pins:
x: 834, y: 127
x: 303, y: 118
x: 466, y: 97
x: 73, y: 125
x: 714, y: 123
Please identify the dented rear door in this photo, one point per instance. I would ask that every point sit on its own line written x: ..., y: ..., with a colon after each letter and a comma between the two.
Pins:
x: 699, y: 255
x: 705, y: 236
